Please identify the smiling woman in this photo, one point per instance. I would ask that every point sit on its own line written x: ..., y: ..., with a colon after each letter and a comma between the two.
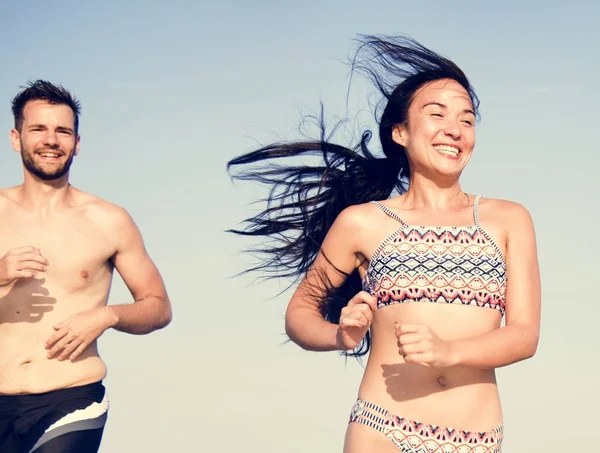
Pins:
x: 396, y: 260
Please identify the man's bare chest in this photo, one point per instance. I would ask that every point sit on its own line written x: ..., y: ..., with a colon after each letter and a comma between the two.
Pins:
x: 77, y: 250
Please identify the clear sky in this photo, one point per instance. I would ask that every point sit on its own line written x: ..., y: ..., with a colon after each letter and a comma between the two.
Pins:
x: 173, y: 89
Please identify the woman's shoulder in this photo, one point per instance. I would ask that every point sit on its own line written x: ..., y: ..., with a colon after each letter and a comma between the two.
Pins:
x: 358, y: 213
x: 356, y: 220
x: 508, y: 212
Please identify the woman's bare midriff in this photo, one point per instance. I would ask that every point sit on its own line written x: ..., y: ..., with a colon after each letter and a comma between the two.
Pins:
x: 456, y: 397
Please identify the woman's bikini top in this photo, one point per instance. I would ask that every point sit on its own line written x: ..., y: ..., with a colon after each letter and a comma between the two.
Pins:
x: 443, y: 264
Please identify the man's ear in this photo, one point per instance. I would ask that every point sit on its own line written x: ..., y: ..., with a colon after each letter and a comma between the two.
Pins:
x: 77, y: 144
x: 15, y: 140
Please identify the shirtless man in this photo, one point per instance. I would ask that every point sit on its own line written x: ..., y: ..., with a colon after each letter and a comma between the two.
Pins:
x: 58, y: 249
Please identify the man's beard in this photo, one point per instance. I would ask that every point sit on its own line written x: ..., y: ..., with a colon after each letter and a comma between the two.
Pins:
x: 42, y: 173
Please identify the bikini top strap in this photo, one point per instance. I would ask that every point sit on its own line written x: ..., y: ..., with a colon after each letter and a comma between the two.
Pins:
x: 389, y: 212
x: 476, y: 211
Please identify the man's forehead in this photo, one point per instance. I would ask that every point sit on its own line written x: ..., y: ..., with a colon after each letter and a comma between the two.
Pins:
x: 39, y: 108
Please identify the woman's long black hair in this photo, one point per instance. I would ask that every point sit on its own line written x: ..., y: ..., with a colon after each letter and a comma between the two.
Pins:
x: 305, y: 199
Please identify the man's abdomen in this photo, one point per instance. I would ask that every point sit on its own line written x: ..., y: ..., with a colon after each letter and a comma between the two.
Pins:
x: 25, y: 367
x: 40, y: 374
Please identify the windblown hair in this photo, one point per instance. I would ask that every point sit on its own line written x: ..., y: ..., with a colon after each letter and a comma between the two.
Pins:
x: 41, y: 90
x: 305, y: 199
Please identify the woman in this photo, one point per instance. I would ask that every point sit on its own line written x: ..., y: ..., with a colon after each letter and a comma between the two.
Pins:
x: 396, y: 260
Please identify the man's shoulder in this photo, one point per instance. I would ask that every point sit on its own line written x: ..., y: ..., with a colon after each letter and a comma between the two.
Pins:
x: 8, y: 196
x: 106, y: 217
x: 5, y: 197
x: 102, y: 211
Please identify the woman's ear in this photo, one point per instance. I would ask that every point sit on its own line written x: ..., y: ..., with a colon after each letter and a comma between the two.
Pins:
x: 400, y: 135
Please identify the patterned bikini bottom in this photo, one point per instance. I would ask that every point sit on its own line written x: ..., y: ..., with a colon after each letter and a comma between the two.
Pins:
x: 414, y: 437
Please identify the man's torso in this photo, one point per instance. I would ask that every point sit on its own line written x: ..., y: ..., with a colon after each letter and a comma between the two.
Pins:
x: 78, y: 247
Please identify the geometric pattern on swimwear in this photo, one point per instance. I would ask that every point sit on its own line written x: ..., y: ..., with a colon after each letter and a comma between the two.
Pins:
x: 414, y: 437
x: 444, y: 264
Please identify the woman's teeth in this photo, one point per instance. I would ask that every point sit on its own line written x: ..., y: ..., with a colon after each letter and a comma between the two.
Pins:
x: 449, y: 150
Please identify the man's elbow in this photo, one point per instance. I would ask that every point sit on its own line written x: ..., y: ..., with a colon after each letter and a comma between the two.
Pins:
x: 165, y: 321
x: 166, y: 315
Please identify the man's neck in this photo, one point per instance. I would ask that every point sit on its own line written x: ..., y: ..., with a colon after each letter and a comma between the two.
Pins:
x: 42, y: 196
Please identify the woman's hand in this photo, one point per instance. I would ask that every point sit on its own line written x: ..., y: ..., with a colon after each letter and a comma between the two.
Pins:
x: 417, y: 343
x: 355, y: 320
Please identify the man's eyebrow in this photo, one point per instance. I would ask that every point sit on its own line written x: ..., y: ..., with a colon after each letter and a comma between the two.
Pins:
x: 59, y: 128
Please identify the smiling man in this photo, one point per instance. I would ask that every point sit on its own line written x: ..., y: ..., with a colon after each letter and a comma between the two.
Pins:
x: 59, y: 247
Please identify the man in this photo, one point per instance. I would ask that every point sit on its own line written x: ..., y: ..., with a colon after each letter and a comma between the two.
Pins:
x: 58, y: 248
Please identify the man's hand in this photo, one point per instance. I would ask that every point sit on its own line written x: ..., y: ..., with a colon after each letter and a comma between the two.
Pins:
x: 21, y: 262
x: 75, y: 333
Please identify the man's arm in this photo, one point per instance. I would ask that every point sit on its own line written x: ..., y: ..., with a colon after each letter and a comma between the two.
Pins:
x: 151, y: 309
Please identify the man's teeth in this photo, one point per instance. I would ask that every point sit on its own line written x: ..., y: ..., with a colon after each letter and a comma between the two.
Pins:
x: 447, y: 149
x: 49, y: 155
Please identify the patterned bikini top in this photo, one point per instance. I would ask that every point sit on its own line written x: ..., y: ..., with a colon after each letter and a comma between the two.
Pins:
x: 444, y: 264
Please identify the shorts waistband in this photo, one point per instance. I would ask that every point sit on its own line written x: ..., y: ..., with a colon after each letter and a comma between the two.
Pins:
x: 94, y: 390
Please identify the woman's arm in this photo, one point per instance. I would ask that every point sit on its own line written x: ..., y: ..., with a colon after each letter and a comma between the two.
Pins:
x: 304, y: 323
x: 518, y: 340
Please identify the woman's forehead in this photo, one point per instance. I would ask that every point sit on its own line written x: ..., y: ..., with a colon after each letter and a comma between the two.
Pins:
x: 444, y: 89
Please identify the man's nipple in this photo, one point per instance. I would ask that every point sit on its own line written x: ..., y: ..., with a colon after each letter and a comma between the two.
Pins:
x: 441, y: 380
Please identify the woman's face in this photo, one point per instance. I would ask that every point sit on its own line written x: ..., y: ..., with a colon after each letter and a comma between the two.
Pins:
x: 439, y: 135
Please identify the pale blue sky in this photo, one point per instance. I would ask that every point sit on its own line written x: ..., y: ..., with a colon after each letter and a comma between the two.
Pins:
x: 172, y: 90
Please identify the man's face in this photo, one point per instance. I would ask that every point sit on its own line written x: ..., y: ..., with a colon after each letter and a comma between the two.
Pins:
x: 47, y: 140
